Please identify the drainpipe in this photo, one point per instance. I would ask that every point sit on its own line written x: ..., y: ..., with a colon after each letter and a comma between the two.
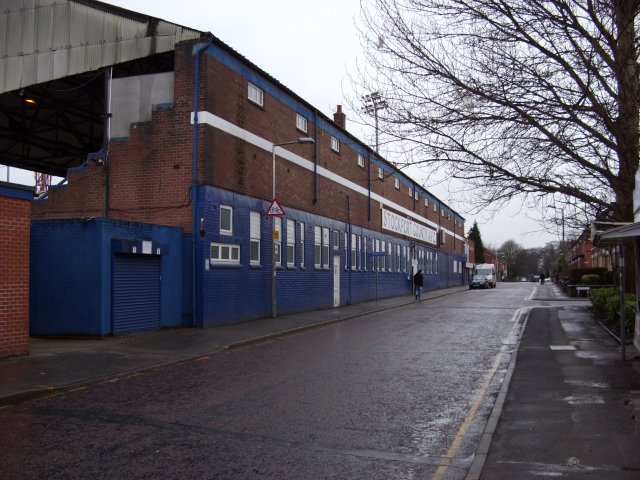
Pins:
x: 108, y: 74
x: 197, y: 49
x: 349, y: 260
x: 369, y: 185
x: 315, y: 157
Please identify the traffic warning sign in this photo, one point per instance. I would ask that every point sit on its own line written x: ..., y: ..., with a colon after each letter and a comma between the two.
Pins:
x: 275, y: 210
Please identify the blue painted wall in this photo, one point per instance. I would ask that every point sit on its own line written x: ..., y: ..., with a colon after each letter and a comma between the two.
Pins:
x: 234, y: 293
x: 71, y: 260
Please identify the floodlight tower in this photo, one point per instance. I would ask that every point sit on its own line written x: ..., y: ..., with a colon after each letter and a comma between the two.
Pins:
x: 372, y: 104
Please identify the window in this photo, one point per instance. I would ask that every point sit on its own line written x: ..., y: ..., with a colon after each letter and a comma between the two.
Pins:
x: 354, y: 258
x: 398, y: 258
x: 225, y: 254
x: 325, y: 248
x: 335, y: 144
x: 301, y: 123
x: 364, y: 253
x: 380, y: 174
x: 317, y: 247
x: 383, y: 258
x: 291, y: 243
x: 277, y: 240
x: 415, y: 194
x: 376, y: 259
x: 435, y: 208
x: 404, y: 255
x: 254, y: 238
x: 301, y: 244
x: 360, y: 161
x: 426, y: 202
x: 397, y: 183
x: 256, y: 95
x: 410, y: 192
x: 336, y: 240
x: 226, y: 220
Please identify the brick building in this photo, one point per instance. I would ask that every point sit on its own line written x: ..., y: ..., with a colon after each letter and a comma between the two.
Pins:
x: 354, y: 227
x: 15, y: 211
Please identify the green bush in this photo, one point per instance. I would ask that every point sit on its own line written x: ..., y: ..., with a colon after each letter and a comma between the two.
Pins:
x: 599, y: 298
x: 590, y: 279
x: 613, y: 306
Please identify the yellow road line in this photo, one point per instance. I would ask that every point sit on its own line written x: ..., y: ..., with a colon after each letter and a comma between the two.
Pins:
x: 457, y: 441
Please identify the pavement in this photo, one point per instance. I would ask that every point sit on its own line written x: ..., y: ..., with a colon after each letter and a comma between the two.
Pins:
x: 568, y: 405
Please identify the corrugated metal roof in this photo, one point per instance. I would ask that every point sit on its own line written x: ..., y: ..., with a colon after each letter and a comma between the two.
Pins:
x: 42, y: 40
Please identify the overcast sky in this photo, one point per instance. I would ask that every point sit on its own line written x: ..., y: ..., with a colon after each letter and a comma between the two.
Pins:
x: 311, y: 46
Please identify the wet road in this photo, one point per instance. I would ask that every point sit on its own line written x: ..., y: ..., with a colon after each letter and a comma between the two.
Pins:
x: 401, y: 394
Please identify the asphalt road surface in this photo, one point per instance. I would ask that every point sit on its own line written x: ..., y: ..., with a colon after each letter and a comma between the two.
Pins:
x: 397, y: 395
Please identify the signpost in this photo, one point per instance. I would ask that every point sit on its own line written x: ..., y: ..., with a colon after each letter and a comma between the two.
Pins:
x: 274, y: 210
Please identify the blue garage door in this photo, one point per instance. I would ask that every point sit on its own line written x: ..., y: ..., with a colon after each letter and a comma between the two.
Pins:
x: 136, y: 293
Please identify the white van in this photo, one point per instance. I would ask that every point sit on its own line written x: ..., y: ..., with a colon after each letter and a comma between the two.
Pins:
x: 484, y: 276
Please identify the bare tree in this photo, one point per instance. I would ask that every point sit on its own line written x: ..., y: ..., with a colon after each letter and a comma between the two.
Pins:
x: 515, y: 97
x: 511, y: 252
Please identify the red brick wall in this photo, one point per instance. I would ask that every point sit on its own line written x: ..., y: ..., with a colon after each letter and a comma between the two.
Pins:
x: 150, y: 173
x: 14, y: 276
x: 233, y: 164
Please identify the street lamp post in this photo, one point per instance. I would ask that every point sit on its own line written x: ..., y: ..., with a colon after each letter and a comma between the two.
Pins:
x: 300, y: 141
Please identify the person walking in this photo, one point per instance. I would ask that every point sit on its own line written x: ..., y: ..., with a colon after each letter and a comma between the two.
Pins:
x: 418, y: 282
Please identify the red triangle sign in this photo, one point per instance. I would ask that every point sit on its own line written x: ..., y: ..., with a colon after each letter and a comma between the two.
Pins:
x: 275, y: 210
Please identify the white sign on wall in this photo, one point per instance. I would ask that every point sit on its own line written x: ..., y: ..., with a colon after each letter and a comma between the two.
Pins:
x: 405, y: 226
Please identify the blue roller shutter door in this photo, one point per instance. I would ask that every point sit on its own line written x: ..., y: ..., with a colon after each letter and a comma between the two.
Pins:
x: 136, y: 293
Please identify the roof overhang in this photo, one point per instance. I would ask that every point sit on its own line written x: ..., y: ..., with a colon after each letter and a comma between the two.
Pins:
x: 604, y: 238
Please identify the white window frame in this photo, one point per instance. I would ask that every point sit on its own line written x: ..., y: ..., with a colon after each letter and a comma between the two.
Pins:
x: 397, y: 183
x: 416, y: 195
x: 346, y: 252
x: 302, y: 123
x: 354, y: 251
x: 217, y: 249
x: 317, y: 247
x: 325, y: 248
x: 301, y: 244
x: 383, y: 248
x: 364, y: 253
x: 404, y: 256
x: 254, y: 236
x: 426, y: 202
x: 380, y: 173
x: 335, y: 144
x: 229, y: 209
x: 376, y: 259
x: 360, y: 160
x: 291, y: 243
x: 255, y: 94
x: 277, y: 226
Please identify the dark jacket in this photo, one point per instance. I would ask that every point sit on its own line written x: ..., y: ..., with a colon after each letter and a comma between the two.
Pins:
x: 418, y: 279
